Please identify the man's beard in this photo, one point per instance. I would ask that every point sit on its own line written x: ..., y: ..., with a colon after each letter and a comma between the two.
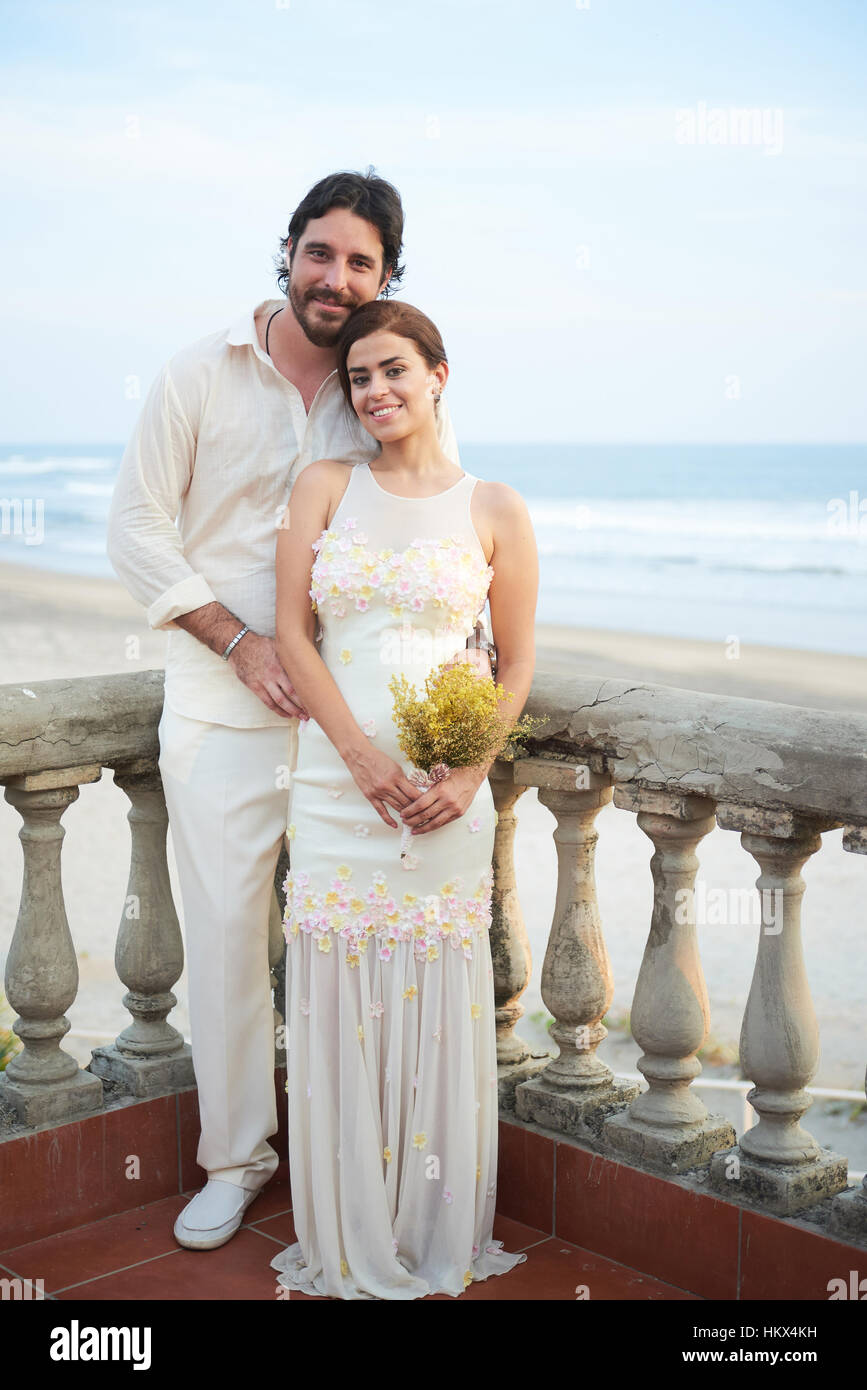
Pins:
x: 319, y: 334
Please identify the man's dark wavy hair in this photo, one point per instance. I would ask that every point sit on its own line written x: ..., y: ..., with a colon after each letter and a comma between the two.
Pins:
x: 368, y: 196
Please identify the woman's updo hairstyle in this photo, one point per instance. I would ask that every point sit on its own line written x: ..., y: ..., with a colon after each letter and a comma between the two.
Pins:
x: 388, y: 316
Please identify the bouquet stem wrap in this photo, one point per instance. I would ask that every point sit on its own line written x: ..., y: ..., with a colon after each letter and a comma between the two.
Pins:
x: 424, y: 780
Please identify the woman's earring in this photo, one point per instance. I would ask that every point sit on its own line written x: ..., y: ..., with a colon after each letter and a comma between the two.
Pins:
x: 437, y: 398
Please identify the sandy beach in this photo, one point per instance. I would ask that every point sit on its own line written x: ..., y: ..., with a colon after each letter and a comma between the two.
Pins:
x: 64, y: 626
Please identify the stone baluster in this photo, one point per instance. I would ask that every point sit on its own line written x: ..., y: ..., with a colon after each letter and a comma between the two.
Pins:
x: 43, y: 1083
x: 150, y: 1056
x: 510, y: 949
x: 576, y: 1092
x: 849, y: 1209
x: 668, y: 1125
x: 778, y: 1163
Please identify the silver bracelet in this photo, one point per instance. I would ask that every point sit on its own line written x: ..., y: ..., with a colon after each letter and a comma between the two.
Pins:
x: 234, y: 642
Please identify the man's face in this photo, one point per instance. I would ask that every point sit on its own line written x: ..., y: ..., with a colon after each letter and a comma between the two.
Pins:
x: 336, y: 266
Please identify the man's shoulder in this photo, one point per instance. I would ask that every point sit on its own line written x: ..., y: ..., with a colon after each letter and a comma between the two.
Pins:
x: 203, y: 353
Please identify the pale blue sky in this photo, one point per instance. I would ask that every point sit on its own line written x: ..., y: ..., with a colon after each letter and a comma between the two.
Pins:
x: 595, y: 276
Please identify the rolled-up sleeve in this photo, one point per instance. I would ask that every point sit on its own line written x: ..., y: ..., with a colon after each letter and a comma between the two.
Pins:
x: 143, y: 541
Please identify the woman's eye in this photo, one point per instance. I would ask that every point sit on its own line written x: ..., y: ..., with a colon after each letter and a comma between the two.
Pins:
x: 395, y: 369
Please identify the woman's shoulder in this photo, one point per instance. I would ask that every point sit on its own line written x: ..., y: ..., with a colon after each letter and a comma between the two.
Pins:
x: 500, y: 500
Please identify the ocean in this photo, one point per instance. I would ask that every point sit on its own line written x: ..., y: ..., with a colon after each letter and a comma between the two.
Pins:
x: 765, y: 543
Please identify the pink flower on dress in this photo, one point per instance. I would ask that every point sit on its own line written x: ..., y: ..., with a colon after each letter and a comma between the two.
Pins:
x: 409, y: 861
x: 350, y: 523
x: 475, y: 825
x: 368, y: 726
x: 305, y: 1006
x: 377, y: 1009
x: 448, y: 1196
x: 360, y: 831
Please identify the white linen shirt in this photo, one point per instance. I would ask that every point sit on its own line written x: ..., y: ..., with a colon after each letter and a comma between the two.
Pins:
x: 201, y: 490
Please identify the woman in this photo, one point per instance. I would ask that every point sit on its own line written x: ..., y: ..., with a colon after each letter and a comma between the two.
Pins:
x: 389, y: 998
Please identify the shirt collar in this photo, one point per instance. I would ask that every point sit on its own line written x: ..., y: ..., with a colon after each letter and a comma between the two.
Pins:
x: 243, y: 331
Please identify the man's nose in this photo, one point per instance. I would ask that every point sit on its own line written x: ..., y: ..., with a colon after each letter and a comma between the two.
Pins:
x: 335, y: 275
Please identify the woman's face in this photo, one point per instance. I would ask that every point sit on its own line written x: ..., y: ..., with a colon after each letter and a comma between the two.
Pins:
x: 392, y: 385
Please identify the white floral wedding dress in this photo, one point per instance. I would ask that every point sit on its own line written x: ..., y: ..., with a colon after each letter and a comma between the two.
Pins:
x: 392, y: 1067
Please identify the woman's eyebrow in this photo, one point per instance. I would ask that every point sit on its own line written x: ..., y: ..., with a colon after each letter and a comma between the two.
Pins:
x: 386, y: 362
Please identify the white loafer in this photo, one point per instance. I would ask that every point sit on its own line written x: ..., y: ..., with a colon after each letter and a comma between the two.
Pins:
x: 213, y: 1216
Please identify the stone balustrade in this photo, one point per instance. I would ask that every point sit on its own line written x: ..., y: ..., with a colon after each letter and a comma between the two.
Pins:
x: 680, y: 761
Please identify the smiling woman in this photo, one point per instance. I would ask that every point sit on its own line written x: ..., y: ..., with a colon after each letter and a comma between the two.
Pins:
x: 389, y: 981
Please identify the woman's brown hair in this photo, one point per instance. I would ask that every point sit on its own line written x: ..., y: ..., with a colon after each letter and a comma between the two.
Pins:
x: 388, y: 316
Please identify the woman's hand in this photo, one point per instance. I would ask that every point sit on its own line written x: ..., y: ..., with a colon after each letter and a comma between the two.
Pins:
x: 445, y: 801
x: 382, y: 780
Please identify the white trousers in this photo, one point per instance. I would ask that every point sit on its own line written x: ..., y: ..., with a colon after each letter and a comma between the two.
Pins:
x: 227, y: 798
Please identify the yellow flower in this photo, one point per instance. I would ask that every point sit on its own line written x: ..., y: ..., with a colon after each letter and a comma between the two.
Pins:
x: 344, y: 1267
x: 386, y: 1153
x: 419, y: 1140
x: 448, y: 888
x: 466, y: 941
x: 343, y: 871
x: 410, y: 993
x: 356, y: 904
x: 293, y: 927
x: 290, y: 830
x: 346, y: 655
x: 361, y: 1032
x: 476, y: 1010
x: 433, y: 953
x: 351, y: 960
x: 468, y: 1278
x: 392, y: 918
x: 324, y: 943
x: 381, y: 890
x: 478, y: 1173
x: 409, y: 899
x: 331, y: 898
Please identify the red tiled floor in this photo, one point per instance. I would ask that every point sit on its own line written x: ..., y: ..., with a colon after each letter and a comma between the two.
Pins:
x: 783, y: 1261
x: 99, y: 1247
x: 134, y: 1256
x: 557, y: 1271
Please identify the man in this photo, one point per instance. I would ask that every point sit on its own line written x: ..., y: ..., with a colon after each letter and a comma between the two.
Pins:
x: 226, y: 428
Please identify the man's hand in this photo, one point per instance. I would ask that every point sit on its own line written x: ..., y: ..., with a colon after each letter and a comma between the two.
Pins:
x: 256, y: 663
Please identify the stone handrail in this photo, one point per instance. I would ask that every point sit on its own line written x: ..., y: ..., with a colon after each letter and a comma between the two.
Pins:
x: 681, y: 761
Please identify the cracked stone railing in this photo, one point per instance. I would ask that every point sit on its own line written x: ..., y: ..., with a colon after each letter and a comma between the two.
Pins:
x: 680, y: 761
x: 55, y: 737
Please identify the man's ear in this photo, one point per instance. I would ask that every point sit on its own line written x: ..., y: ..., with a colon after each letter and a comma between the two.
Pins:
x: 287, y: 252
x: 386, y: 280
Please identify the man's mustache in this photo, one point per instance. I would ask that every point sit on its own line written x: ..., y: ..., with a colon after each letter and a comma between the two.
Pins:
x: 328, y: 299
